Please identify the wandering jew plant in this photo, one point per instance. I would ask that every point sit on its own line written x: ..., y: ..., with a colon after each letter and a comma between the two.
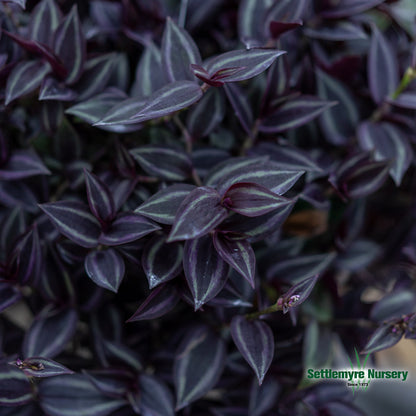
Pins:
x: 201, y: 199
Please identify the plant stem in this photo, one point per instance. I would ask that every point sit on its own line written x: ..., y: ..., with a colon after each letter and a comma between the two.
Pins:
x: 273, y: 308
x: 408, y: 77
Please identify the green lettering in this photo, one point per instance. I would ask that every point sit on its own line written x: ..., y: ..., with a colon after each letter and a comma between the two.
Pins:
x: 310, y: 373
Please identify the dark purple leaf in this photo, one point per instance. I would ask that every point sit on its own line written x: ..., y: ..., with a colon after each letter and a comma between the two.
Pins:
x: 279, y: 28
x: 15, y: 389
x: 366, y: 179
x: 164, y: 162
x: 18, y: 194
x: 171, y: 98
x: 229, y: 298
x: 394, y: 305
x: 118, y: 353
x: 163, y: 205
x: 41, y: 367
x: 23, y: 164
x: 251, y: 18
x: 9, y: 295
x: 286, y: 11
x: 297, y: 294
x: 199, y: 213
x: 97, y: 107
x: 96, y: 75
x: 257, y: 228
x: 230, y: 166
x: 127, y: 227
x: 346, y: 8
x: 155, y: 397
x: 338, y: 123
x: 111, y: 382
x: 25, y: 78
x: 294, y: 113
x: 317, y: 343
x: 252, y: 200
x: 383, y: 71
x: 264, y: 397
x: 75, y: 395
x: 288, y: 157
x: 238, y: 254
x: 269, y: 175
x: 160, y: 301
x: 160, y: 261
x: 385, y: 336
x: 342, y: 31
x: 21, y: 3
x: 204, y: 158
x: 105, y: 268
x: 28, y: 257
x: 241, y: 106
x: 74, y: 220
x: 100, y: 199
x: 42, y: 51
x: 252, y: 62
x: 38, y: 341
x: 150, y: 69
x: 205, y: 116
x: 254, y: 340
x: 360, y: 254
x: 45, y: 18
x: 205, y: 271
x: 299, y: 268
x: 53, y: 90
x: 178, y: 51
x: 388, y: 143
x: 199, y: 363
x: 69, y: 45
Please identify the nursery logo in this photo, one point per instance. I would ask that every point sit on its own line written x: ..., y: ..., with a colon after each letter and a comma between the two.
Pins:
x: 358, y: 378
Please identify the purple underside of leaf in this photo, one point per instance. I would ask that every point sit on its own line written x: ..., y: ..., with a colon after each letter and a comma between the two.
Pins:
x: 105, y: 268
x: 163, y: 205
x: 254, y: 61
x: 160, y: 261
x: 294, y: 113
x: 200, y: 212
x: 278, y: 28
x: 405, y: 100
x: 74, y: 220
x: 238, y: 254
x: 171, y: 98
x: 164, y: 162
x: 127, y: 227
x: 15, y: 389
x: 160, y: 302
x: 199, y: 363
x: 254, y: 340
x: 252, y: 200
